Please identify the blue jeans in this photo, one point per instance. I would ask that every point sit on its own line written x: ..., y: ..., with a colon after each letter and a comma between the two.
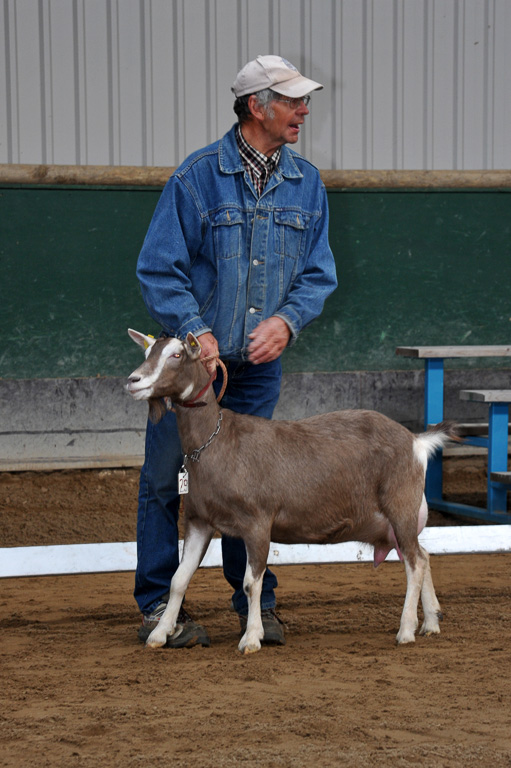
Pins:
x: 252, y: 389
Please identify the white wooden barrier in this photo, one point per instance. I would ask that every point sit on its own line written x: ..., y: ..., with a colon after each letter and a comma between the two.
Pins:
x: 115, y: 557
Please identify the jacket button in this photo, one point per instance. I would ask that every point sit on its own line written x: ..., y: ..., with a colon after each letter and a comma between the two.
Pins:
x: 256, y: 262
x: 252, y: 310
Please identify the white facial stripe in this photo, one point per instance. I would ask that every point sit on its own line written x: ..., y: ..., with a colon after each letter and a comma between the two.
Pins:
x: 173, y: 347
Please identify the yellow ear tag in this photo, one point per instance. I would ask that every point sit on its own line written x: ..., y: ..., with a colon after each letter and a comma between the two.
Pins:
x: 145, y: 342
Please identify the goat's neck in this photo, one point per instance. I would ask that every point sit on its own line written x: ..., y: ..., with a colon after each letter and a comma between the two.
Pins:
x: 195, y: 425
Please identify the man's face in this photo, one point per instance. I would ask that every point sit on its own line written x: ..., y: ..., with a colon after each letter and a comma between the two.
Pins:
x: 284, y: 126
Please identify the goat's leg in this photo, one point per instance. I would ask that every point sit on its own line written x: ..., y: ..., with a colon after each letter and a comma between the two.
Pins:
x: 415, y: 565
x: 252, y: 586
x: 430, y: 604
x: 197, y: 538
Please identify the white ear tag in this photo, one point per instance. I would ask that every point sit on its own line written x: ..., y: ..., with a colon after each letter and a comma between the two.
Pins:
x: 182, y: 481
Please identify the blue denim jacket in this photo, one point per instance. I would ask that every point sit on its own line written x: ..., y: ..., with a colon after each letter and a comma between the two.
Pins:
x: 219, y: 258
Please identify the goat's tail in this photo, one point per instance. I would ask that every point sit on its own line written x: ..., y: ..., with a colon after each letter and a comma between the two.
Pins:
x: 436, y: 437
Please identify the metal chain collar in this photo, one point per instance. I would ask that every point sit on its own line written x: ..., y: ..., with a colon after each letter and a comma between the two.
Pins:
x: 195, y: 454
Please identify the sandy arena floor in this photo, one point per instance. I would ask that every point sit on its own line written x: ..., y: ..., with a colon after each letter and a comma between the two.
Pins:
x: 78, y: 689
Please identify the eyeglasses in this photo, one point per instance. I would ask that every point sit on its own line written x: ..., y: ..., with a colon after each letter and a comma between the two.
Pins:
x: 296, y: 103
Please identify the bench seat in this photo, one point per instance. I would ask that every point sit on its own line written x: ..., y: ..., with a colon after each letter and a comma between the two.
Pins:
x: 486, y: 395
x: 501, y: 477
x: 499, y: 350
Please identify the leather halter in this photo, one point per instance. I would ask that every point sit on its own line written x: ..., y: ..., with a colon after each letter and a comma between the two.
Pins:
x: 195, y: 402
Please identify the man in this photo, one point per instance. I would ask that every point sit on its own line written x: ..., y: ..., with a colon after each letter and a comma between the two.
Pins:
x: 237, y: 252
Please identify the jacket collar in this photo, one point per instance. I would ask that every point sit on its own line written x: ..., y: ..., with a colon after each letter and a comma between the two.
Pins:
x: 230, y: 160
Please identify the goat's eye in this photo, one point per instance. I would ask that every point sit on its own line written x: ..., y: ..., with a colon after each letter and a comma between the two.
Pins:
x: 176, y: 355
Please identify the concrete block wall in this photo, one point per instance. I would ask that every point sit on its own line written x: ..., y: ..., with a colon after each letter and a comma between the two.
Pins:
x: 51, y: 423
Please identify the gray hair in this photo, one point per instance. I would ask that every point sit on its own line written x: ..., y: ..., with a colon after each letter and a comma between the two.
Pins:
x: 264, y: 99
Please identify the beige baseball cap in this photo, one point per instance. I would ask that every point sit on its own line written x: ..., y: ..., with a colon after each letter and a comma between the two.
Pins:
x: 272, y: 72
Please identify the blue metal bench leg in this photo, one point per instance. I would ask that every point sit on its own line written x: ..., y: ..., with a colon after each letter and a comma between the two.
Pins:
x: 497, y: 455
x: 433, y: 414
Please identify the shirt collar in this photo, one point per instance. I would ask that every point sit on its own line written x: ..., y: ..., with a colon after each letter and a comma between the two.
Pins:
x: 256, y: 159
x: 230, y: 159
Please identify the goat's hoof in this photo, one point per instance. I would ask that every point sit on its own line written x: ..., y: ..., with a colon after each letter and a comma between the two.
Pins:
x: 427, y: 630
x: 156, y: 639
x: 250, y: 649
x: 405, y: 637
x: 430, y: 625
x: 154, y: 645
x: 248, y: 646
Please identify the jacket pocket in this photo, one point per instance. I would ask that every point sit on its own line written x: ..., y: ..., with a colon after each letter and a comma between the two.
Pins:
x: 290, y: 227
x: 227, y: 226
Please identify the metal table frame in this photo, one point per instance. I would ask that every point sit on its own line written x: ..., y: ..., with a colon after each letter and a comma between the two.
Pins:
x: 496, y: 443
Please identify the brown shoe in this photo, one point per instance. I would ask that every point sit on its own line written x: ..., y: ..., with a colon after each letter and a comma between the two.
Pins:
x: 186, y: 635
x: 273, y: 627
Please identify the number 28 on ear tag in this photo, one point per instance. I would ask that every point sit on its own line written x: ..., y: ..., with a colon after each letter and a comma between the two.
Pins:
x: 182, y: 481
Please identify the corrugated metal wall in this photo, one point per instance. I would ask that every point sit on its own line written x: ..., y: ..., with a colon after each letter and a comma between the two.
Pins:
x: 409, y: 84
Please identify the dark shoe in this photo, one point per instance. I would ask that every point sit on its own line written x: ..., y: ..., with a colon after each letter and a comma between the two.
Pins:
x: 186, y: 635
x: 273, y: 627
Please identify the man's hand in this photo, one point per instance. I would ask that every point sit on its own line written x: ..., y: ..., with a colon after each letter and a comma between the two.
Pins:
x: 209, y: 346
x: 269, y: 340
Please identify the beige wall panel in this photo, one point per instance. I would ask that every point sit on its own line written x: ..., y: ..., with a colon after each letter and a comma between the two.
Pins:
x: 409, y: 84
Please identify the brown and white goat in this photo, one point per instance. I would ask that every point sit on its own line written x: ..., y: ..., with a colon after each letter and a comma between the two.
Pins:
x: 352, y: 475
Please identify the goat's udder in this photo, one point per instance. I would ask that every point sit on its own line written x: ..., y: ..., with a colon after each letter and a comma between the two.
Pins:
x: 382, y: 550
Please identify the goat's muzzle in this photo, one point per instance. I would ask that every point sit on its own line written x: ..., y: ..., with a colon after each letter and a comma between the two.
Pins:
x: 137, y: 389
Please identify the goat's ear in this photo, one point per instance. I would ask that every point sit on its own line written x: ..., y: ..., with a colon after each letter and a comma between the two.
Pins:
x: 193, y: 348
x: 141, y: 339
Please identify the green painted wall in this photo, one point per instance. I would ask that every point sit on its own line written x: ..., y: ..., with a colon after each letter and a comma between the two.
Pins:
x: 416, y: 268
x: 428, y: 267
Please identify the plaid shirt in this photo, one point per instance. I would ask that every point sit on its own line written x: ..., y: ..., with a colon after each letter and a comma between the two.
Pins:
x: 258, y: 166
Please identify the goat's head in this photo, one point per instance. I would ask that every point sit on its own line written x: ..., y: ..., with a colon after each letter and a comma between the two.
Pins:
x: 167, y: 371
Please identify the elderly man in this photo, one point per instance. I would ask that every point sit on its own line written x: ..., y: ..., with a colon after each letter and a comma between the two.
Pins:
x: 237, y: 252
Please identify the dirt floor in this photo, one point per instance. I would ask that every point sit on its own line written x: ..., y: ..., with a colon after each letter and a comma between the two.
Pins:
x: 78, y: 689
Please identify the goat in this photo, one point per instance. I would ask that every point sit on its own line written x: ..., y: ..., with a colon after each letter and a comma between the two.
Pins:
x: 352, y: 475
